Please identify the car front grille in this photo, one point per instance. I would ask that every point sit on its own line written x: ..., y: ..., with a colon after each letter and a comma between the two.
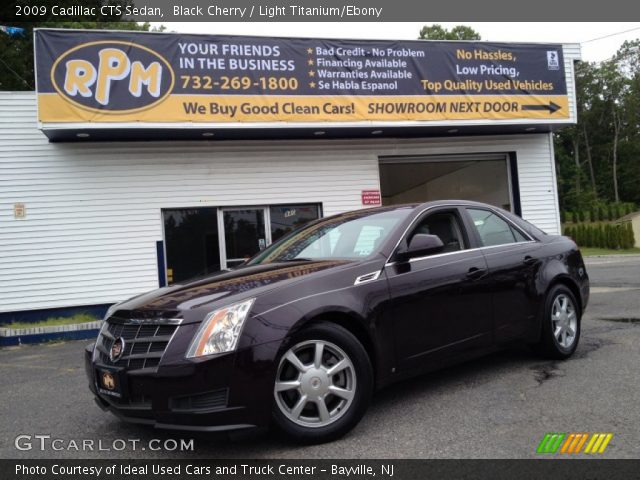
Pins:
x: 144, y: 342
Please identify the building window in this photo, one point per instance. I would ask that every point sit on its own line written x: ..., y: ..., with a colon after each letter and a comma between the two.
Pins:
x: 287, y: 218
x: 201, y: 241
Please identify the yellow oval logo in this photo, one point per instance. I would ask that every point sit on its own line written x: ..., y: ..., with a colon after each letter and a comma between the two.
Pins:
x: 112, y: 77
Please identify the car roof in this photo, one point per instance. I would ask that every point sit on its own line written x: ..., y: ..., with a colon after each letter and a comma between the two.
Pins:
x: 434, y: 203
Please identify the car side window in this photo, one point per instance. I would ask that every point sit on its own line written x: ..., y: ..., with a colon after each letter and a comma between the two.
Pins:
x: 493, y: 230
x: 519, y: 236
x: 446, y: 226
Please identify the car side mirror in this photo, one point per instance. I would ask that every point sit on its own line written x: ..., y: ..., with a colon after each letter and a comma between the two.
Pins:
x: 420, y: 245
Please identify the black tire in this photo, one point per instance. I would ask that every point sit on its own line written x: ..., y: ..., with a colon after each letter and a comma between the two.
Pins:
x: 361, y: 375
x: 549, y: 346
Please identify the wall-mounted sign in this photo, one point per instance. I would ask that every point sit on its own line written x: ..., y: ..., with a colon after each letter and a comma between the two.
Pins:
x: 19, y: 211
x: 100, y: 76
x: 371, y: 197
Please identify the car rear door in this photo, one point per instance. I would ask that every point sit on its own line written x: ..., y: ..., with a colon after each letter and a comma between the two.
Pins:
x: 513, y: 260
x: 440, y: 306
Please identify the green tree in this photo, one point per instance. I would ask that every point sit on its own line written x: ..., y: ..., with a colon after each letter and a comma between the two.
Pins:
x: 16, y: 52
x: 615, y: 88
x: 604, y: 213
x: 598, y: 159
x: 577, y: 182
x: 438, y: 32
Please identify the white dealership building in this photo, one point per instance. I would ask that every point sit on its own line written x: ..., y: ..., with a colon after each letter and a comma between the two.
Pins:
x: 91, y: 215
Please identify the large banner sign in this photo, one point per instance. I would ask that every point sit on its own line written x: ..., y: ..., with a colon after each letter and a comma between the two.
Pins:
x: 98, y: 76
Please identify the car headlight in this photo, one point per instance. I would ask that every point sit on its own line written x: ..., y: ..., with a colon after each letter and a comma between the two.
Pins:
x: 220, y: 331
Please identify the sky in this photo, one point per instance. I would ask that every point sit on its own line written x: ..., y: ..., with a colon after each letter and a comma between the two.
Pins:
x: 588, y: 34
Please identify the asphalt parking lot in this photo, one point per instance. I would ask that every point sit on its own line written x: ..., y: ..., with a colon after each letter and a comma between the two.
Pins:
x: 496, y: 407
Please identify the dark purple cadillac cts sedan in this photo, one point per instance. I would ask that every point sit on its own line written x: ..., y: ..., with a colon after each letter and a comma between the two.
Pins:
x: 302, y: 334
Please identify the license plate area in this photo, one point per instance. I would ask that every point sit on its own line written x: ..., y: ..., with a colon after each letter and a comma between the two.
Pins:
x: 110, y: 382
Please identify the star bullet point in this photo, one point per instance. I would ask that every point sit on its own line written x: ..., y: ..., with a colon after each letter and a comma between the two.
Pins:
x: 312, y: 73
x: 309, y: 51
x: 312, y: 84
x: 310, y: 62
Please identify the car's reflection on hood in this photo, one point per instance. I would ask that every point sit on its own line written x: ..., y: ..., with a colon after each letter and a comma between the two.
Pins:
x: 258, y: 279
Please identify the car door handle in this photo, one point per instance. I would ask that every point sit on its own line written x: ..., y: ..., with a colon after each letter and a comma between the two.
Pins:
x: 475, y: 273
x: 529, y: 260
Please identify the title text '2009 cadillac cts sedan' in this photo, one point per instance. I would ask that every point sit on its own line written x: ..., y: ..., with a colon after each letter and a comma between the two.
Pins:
x: 304, y: 332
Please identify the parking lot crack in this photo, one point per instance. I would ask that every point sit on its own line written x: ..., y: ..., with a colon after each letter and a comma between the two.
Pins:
x: 621, y: 319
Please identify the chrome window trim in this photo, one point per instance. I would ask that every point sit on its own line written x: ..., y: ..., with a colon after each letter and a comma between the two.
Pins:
x: 508, y: 244
x: 437, y: 255
x: 477, y: 249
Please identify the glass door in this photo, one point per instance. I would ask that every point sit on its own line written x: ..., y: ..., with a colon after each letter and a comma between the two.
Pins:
x: 245, y: 234
x: 191, y: 242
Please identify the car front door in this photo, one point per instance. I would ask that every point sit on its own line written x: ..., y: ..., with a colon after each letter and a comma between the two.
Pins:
x: 439, y: 303
x: 512, y: 258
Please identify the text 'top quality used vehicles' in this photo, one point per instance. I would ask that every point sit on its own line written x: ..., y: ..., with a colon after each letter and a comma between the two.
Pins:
x: 302, y: 334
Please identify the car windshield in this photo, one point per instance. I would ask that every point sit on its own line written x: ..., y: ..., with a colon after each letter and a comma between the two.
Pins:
x: 353, y: 235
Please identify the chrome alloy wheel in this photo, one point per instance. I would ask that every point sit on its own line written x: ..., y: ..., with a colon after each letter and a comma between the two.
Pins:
x: 564, y: 321
x: 315, y: 383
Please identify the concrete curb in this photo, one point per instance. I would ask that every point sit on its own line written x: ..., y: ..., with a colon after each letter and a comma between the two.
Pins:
x: 9, y: 336
x: 615, y: 255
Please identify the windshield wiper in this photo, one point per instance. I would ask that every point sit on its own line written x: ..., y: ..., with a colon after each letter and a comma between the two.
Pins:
x: 298, y: 259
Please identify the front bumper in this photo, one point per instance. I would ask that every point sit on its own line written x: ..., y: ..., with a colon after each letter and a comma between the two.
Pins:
x: 230, y: 391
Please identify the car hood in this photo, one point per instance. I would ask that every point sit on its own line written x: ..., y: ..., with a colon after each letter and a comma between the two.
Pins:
x: 224, y: 287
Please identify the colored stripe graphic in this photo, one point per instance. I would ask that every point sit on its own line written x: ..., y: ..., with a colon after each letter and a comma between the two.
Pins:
x: 573, y: 443
x: 551, y: 442
x: 598, y: 443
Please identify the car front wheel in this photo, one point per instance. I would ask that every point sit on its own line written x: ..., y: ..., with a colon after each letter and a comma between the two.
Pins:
x: 323, y: 384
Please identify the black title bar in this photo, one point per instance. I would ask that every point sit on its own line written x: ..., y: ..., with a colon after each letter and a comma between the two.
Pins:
x: 318, y: 11
x: 548, y: 469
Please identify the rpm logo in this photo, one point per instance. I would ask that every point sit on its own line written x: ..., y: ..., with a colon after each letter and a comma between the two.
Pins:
x: 112, y: 77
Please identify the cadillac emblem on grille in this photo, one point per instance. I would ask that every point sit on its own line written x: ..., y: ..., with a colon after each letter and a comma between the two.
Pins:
x: 117, y: 349
x: 108, y: 381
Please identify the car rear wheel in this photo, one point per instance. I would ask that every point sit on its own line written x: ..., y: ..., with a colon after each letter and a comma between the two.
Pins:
x: 560, y: 324
x: 323, y: 384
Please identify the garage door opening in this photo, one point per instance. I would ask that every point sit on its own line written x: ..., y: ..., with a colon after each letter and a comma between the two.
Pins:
x: 415, y: 179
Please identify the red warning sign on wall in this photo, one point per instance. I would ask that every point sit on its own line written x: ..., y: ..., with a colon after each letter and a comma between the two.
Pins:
x: 371, y: 197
